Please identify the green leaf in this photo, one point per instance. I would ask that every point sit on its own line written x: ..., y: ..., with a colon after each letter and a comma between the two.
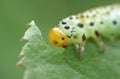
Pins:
x: 44, y: 62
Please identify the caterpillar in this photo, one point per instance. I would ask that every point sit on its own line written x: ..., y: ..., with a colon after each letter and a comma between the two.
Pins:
x: 94, y: 23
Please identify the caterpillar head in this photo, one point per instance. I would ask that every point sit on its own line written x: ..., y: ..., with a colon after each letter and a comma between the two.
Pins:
x: 65, y: 31
x: 58, y: 38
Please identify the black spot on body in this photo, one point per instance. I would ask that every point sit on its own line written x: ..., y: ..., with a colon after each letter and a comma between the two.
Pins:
x: 91, y: 23
x: 76, y: 17
x: 63, y: 22
x: 83, y: 37
x: 67, y: 27
x: 82, y: 16
x: 70, y: 17
x: 80, y: 25
x: 97, y: 33
x: 114, y: 22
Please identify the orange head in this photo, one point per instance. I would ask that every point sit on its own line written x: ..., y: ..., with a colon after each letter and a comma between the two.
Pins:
x: 58, y: 38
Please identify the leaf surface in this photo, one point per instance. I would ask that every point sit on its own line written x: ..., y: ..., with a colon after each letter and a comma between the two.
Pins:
x: 44, y: 62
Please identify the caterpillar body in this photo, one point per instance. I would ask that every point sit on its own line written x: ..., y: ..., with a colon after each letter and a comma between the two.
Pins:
x: 93, y: 23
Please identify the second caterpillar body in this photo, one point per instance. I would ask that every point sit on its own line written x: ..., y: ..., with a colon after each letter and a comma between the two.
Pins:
x: 93, y: 23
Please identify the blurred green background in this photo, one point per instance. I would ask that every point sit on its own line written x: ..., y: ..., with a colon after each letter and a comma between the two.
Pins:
x: 15, y: 14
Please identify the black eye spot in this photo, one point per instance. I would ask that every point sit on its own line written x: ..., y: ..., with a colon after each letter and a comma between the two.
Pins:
x: 55, y: 42
x: 80, y: 25
x: 114, y: 22
x: 63, y: 38
x: 67, y: 27
x: 63, y: 22
x: 91, y: 23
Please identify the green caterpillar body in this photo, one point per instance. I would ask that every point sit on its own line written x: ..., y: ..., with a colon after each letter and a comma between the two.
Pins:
x: 92, y: 23
x: 105, y: 20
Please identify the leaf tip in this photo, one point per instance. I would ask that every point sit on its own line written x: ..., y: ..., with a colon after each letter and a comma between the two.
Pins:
x: 23, y: 39
x: 19, y: 64
x: 32, y: 23
x: 21, y: 54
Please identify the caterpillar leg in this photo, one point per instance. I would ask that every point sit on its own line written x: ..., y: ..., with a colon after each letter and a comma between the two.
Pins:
x: 80, y: 49
x: 101, y: 44
x: 99, y: 41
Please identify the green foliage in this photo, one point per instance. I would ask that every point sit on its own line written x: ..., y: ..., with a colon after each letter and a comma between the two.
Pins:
x: 44, y: 62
